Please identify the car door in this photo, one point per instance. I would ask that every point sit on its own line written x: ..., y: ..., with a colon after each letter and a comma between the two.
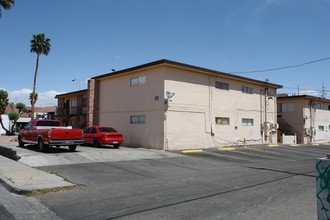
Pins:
x: 26, y: 133
x: 87, y: 135
x: 93, y: 134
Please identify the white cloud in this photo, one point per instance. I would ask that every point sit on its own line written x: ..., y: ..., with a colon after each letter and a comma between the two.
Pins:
x: 46, y: 98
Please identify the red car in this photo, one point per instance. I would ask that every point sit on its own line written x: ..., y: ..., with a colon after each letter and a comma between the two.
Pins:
x: 101, y: 135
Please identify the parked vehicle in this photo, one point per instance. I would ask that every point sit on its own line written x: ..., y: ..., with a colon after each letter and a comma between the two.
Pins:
x: 46, y: 133
x: 101, y: 135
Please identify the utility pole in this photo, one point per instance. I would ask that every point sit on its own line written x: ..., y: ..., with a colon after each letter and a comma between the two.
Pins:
x: 324, y: 93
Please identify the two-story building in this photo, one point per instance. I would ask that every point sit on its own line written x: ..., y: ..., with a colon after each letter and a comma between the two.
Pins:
x: 72, y: 108
x: 171, y: 105
x: 308, y: 117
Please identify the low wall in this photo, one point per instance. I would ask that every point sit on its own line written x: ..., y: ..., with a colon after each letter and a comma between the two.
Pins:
x: 8, y: 152
x: 288, y: 139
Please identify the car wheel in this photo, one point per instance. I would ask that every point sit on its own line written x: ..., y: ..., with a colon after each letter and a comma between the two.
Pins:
x: 20, y: 142
x: 116, y: 145
x: 42, y: 147
x: 96, y: 143
x: 72, y: 148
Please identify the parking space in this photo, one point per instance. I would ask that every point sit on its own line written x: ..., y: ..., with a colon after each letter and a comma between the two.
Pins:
x: 262, y: 154
x: 84, y: 154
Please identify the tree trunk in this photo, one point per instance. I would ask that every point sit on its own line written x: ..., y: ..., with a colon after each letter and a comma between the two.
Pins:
x: 34, y: 88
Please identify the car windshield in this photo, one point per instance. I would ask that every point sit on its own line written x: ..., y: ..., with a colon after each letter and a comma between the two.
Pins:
x: 107, y: 129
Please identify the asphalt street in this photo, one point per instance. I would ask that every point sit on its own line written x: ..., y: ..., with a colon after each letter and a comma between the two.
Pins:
x: 258, y: 182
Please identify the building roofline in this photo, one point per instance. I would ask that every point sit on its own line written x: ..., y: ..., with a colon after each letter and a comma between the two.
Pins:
x: 71, y: 93
x: 178, y: 64
x: 304, y: 97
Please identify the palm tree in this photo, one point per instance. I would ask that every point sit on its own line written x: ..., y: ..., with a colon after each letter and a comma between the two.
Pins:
x: 39, y: 45
x: 6, y: 4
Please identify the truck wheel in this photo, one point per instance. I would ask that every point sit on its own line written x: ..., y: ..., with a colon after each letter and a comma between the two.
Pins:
x: 42, y: 147
x: 116, y: 145
x: 96, y: 143
x: 72, y: 148
x: 20, y: 142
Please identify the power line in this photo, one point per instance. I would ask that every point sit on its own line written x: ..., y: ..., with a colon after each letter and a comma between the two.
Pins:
x: 285, y: 67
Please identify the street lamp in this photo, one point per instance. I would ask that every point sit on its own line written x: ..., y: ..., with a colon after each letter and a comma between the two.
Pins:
x: 77, y: 80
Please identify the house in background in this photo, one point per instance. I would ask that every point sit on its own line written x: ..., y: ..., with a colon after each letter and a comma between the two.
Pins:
x: 306, y: 116
x: 170, y: 105
x: 40, y: 112
x: 72, y: 108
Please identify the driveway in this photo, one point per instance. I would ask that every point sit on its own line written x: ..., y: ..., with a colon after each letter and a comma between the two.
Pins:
x: 84, y: 154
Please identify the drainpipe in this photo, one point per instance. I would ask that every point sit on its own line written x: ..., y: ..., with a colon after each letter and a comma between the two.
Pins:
x: 265, y: 126
x: 261, y: 122
x: 311, y: 120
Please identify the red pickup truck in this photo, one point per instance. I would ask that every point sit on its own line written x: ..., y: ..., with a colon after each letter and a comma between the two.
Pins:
x: 47, y: 133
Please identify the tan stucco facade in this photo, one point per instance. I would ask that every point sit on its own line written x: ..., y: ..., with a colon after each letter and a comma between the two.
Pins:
x: 309, y: 116
x: 148, y: 117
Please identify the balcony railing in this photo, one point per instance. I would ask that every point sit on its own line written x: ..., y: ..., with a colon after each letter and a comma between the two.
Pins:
x: 71, y: 111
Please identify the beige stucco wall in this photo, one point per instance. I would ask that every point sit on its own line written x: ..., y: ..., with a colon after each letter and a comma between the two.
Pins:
x: 119, y: 101
x: 191, y: 115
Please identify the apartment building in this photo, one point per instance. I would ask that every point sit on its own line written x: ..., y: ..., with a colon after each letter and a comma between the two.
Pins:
x: 170, y: 105
x: 72, y: 108
x: 308, y: 117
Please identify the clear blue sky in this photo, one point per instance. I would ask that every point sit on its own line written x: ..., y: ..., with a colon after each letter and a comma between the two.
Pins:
x: 90, y: 38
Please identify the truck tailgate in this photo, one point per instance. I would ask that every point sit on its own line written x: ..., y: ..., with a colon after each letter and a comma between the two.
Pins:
x: 67, y: 134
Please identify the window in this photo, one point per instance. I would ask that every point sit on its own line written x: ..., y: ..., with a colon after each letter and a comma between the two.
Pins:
x: 138, y: 119
x: 49, y: 123
x: 288, y: 107
x: 107, y: 129
x: 321, y: 128
x: 93, y: 131
x: 73, y: 102
x: 222, y: 85
x: 246, y: 89
x: 319, y: 106
x: 247, y: 122
x: 87, y: 130
x: 222, y: 121
x: 138, y: 81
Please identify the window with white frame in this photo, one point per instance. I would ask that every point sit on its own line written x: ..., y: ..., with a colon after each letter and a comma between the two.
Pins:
x: 247, y: 89
x: 138, y: 119
x: 222, y: 121
x: 247, y: 121
x: 321, y: 128
x: 137, y: 81
x: 288, y: 107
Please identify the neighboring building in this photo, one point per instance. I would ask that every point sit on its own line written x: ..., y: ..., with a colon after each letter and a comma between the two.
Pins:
x: 6, y: 124
x: 40, y: 112
x: 72, y: 108
x: 170, y: 105
x: 306, y: 116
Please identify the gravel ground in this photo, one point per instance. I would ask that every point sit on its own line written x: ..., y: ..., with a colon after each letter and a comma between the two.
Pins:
x: 7, y: 139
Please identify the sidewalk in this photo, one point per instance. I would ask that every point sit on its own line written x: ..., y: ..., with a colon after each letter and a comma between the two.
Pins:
x: 22, y: 179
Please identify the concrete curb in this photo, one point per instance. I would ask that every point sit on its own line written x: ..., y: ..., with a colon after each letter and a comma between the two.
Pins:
x: 9, y: 153
x: 21, y: 179
x: 11, y: 187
